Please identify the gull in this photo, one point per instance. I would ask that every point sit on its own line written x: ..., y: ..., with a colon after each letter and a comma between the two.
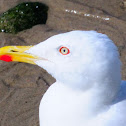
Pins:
x: 88, y: 90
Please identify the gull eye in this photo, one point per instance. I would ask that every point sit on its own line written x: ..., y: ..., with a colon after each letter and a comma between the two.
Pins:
x: 64, y: 50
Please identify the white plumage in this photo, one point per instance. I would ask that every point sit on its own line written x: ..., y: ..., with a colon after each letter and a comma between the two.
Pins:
x: 88, y: 89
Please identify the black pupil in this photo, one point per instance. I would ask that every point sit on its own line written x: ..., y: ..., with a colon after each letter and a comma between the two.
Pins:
x: 64, y: 50
x: 13, y: 51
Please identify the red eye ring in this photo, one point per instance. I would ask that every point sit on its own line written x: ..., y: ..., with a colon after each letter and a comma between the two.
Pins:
x: 64, y: 50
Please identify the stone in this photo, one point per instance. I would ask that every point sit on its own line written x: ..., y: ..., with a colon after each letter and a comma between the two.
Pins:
x: 23, y: 16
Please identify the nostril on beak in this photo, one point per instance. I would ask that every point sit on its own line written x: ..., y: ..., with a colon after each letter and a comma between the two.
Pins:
x: 13, y: 51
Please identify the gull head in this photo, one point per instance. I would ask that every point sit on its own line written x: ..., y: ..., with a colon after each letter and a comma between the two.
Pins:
x: 78, y: 59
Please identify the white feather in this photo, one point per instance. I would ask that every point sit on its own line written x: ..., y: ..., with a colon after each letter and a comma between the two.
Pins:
x: 88, y: 90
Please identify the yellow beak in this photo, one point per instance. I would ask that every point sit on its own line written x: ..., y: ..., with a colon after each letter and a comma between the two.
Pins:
x: 17, y: 53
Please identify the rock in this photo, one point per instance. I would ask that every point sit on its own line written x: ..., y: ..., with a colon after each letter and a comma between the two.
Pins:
x: 23, y: 16
x: 23, y: 85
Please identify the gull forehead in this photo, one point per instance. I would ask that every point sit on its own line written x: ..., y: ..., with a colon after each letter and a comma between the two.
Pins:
x: 77, y: 41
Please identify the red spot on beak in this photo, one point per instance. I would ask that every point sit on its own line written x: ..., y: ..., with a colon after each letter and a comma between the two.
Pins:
x: 6, y: 58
